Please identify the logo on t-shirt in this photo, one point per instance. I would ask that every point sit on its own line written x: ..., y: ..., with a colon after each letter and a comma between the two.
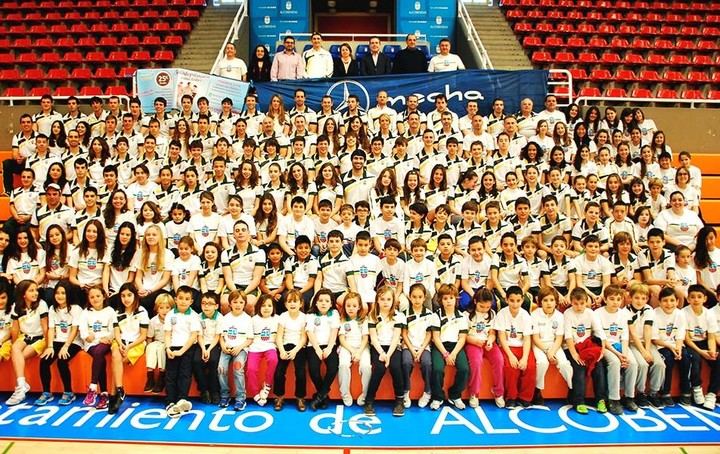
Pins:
x: 613, y: 330
x: 592, y: 274
x: 387, y: 234
x: 363, y: 271
x: 476, y: 277
x: 317, y: 321
x: 580, y: 330
x: 419, y: 277
x: 684, y: 227
x: 698, y: 331
x: 97, y: 326
x: 513, y: 332
x: 153, y: 268
x: 554, y: 324
x: 64, y: 326
x: 232, y: 333
x: 26, y: 267
x: 265, y: 334
x: 205, y: 230
x: 92, y: 263
x: 669, y: 329
x: 176, y: 238
x: 480, y: 327
x: 346, y: 327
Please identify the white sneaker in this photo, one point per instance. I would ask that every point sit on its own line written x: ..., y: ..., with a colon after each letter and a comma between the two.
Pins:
x: 710, y: 400
x: 265, y: 392
x: 172, y: 411
x: 698, y: 396
x: 458, y: 403
x: 474, y: 402
x: 424, y: 400
x: 183, y: 406
x: 361, y: 400
x: 406, y: 400
x: 500, y: 401
x: 347, y: 400
x: 436, y: 404
x: 18, y: 396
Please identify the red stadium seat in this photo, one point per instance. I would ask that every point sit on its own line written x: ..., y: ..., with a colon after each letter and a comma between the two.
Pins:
x: 615, y: 92
x: 685, y: 44
x: 127, y: 71
x: 58, y: 74
x: 105, y: 73
x: 67, y: 42
x: 50, y: 57
x: 173, y: 40
x: 28, y: 58
x: 679, y: 60
x: 554, y: 41
x: 532, y: 41
x: 656, y: 59
x: 600, y: 75
x: 610, y: 58
x: 33, y: 74
x: 564, y: 57
x: 40, y: 91
x: 73, y: 57
x: 640, y: 93
x: 625, y: 75
x: 541, y: 57
x: 163, y: 56
x: 687, y: 30
x: 641, y: 43
x: 118, y: 56
x: 116, y: 90
x: 87, y: 41
x: 691, y: 94
x: 583, y: 28
x: 704, y: 44
x: 673, y: 76
x: 666, y: 93
x: 576, y: 42
x: 649, y: 75
x: 140, y: 56
x: 580, y: 74
x: 619, y: 43
x: 662, y: 43
x: 712, y: 94
x: 99, y: 28
x: 589, y: 92
x: 606, y: 29
x: 120, y: 28
x: 65, y: 91
x: 81, y: 74
x: 14, y: 92
x: 59, y: 29
x: 152, y: 41
x: 95, y: 57
x: 597, y: 42
x: 108, y: 41
x: 46, y: 43
x: 702, y: 60
x: 587, y: 57
x: 10, y: 75
x: 130, y: 41
x: 91, y: 91
x: 141, y: 27
x: 79, y: 27
x: 698, y: 77
x: 715, y: 77
x: 161, y: 27
x: 6, y: 59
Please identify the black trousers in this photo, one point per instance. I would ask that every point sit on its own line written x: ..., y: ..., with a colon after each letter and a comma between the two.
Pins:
x: 300, y: 379
x: 378, y: 372
x: 322, y: 384
x: 178, y: 375
x: 206, y: 373
x: 599, y: 376
x: 11, y: 167
x: 62, y: 364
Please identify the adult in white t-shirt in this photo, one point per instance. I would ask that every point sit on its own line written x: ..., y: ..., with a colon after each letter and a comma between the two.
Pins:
x: 230, y: 66
x: 679, y: 224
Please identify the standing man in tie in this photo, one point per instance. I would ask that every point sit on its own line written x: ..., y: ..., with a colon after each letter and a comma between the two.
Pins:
x: 375, y: 63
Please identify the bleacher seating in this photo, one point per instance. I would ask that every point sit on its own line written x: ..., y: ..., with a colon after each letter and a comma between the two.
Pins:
x: 60, y: 46
x: 663, y: 46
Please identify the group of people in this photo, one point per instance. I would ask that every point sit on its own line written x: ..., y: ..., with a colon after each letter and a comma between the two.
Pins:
x: 390, y: 240
x: 317, y: 62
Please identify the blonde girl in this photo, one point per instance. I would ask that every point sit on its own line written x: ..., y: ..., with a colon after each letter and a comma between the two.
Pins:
x: 129, y: 344
x: 29, y: 330
x: 353, y: 335
x: 154, y: 267
x: 384, y: 328
x: 155, y: 358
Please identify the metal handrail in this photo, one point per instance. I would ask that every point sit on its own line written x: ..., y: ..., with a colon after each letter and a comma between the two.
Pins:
x: 476, y: 44
x: 353, y: 36
x: 583, y: 100
x: 12, y: 99
x: 232, y: 34
x: 566, y: 81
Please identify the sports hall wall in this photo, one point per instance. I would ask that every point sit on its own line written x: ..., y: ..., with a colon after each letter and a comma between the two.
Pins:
x: 694, y: 130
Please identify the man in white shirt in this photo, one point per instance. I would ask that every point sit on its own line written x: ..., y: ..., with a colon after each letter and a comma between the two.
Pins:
x: 230, y: 66
x: 551, y: 112
x: 318, y: 61
x: 527, y: 119
x: 445, y: 61
x: 381, y: 108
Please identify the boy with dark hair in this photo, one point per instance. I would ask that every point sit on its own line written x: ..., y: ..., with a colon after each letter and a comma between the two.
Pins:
x: 182, y: 328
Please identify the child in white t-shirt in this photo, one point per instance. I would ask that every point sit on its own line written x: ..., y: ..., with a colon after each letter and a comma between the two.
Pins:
x: 669, y: 336
x: 353, y: 348
x: 236, y: 335
x: 263, y: 348
x: 548, y: 340
x: 416, y: 339
x: 291, y: 339
x: 701, y: 343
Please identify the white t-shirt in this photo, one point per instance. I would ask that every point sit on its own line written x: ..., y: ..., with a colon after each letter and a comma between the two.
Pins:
x: 615, y: 325
x: 682, y: 228
x: 417, y: 325
x: 385, y: 329
x: 153, y: 275
x: 580, y: 326
x: 204, y: 229
x: 321, y: 326
x: 515, y: 328
x: 234, y: 68
x: 450, y: 326
x: 365, y: 270
x: 61, y: 322
x: 480, y: 324
x: 592, y: 271
x: 130, y: 324
x: 548, y: 326
x: 182, y: 269
x: 30, y: 324
x: 236, y: 329
x: 699, y: 325
x: 89, y: 267
x: 353, y: 330
x: 181, y: 325
x: 669, y: 327
x: 100, y: 323
x: 264, y: 332
x: 292, y: 327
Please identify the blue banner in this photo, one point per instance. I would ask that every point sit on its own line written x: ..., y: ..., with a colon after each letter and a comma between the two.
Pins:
x: 269, y: 18
x: 172, y: 84
x: 143, y: 421
x: 435, y: 19
x: 458, y: 86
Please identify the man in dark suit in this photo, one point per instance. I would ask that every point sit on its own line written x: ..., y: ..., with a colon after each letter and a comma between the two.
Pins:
x: 375, y: 63
x: 411, y: 59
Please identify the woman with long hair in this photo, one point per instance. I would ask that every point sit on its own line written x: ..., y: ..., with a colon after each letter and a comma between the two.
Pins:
x: 115, y: 213
x: 87, y: 262
x: 121, y: 267
x: 259, y: 69
x: 154, y: 268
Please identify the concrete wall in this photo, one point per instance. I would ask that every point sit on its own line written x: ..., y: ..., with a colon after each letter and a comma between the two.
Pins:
x: 695, y: 130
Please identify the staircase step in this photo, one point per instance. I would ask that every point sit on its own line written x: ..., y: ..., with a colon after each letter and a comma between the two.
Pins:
x: 498, y: 38
x: 206, y: 39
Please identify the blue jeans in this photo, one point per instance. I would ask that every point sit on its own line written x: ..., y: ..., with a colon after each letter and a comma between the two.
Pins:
x: 238, y: 370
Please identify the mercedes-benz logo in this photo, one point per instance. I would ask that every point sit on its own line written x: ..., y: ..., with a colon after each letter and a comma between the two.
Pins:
x: 345, y: 88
